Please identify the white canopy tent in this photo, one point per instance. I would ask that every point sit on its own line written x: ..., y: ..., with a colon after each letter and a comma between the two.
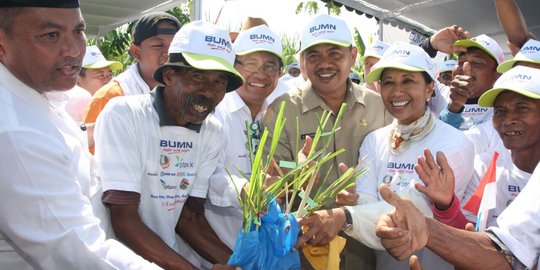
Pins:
x: 427, y: 16
x: 102, y: 16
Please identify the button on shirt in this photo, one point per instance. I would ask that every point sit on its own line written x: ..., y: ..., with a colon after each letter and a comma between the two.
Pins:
x: 50, y: 209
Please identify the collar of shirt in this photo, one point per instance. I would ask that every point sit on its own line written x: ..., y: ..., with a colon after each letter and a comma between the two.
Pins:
x: 164, y: 117
x: 311, y: 100
x: 236, y: 103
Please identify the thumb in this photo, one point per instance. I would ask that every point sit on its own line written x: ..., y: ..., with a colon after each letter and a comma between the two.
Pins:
x: 307, y: 145
x: 389, y: 195
x: 470, y: 227
x: 342, y: 168
x: 414, y: 263
x: 467, y: 69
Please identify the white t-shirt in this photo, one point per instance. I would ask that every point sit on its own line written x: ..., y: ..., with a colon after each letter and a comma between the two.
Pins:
x: 164, y: 164
x: 510, y: 182
x: 474, y: 115
x: 385, y: 167
x: 398, y: 171
x: 519, y: 224
x: 485, y: 138
x: 51, y: 215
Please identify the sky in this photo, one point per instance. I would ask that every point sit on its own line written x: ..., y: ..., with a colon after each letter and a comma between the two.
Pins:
x: 279, y: 14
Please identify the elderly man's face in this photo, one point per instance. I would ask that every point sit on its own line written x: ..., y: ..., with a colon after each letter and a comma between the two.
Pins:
x: 192, y: 94
x: 45, y: 47
x: 517, y: 120
x: 327, y: 67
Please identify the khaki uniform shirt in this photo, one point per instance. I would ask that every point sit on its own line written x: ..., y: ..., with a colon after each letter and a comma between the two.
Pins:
x: 365, y: 112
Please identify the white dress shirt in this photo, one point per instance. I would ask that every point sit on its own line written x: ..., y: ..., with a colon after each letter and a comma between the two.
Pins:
x: 51, y: 215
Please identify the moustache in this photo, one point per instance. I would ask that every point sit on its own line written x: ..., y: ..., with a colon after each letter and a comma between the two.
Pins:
x: 70, y: 61
x: 201, y: 100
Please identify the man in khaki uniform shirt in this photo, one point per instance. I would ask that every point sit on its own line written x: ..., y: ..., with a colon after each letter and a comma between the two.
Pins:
x: 328, y: 56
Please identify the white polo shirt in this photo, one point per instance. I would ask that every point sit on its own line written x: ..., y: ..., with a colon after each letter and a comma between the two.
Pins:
x: 139, y: 151
x: 223, y: 212
x: 51, y: 215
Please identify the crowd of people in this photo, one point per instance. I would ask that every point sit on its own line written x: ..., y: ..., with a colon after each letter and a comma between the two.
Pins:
x: 143, y: 170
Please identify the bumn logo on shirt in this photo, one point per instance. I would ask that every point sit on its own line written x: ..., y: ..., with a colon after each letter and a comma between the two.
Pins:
x: 175, y: 144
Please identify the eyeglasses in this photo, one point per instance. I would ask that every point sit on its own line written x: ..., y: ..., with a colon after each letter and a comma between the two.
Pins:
x: 268, y: 69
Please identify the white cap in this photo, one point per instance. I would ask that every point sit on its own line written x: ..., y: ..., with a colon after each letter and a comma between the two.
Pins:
x: 530, y: 52
x: 403, y: 56
x: 520, y: 79
x: 375, y: 49
x: 204, y: 46
x: 324, y: 28
x: 447, y: 65
x: 94, y: 59
x: 258, y: 38
x: 486, y: 44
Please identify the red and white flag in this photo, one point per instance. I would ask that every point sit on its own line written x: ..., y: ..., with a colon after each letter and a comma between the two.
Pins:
x: 484, y: 198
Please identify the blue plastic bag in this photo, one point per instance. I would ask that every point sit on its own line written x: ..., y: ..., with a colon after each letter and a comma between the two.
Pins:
x: 270, y: 246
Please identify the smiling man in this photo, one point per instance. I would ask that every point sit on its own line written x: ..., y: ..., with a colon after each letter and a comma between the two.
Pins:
x: 327, y: 54
x: 258, y: 59
x: 156, y: 152
x: 51, y: 215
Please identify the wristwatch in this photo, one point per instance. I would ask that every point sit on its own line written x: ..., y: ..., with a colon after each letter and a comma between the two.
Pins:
x: 348, y: 225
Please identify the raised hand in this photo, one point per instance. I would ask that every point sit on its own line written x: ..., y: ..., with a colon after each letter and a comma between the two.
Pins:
x: 438, y: 178
x: 443, y: 40
x: 403, y: 231
x: 460, y: 89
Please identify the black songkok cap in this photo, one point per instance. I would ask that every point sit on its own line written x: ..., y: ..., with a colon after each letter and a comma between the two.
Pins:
x: 147, y: 26
x: 40, y: 3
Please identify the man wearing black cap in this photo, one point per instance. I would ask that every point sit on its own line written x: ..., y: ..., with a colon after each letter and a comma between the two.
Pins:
x: 51, y: 216
x: 156, y: 152
x: 152, y: 35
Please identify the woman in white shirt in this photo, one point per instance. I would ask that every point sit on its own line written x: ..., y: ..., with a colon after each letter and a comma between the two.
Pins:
x: 406, y: 77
